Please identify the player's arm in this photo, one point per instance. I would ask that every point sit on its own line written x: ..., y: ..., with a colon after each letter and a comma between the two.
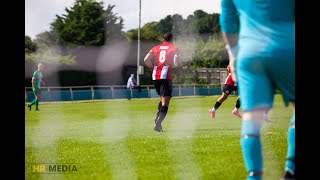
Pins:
x: 229, y: 24
x: 176, y: 61
x: 134, y: 82
x: 147, y: 59
x: 33, y: 84
x: 33, y: 79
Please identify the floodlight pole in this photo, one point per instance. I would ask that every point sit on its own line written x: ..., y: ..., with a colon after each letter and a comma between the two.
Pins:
x: 138, y: 54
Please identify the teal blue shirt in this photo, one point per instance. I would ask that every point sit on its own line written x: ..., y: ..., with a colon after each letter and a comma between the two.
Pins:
x: 267, y: 27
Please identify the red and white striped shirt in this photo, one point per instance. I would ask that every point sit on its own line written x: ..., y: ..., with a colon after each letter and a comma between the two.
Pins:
x: 163, y: 62
x: 229, y: 80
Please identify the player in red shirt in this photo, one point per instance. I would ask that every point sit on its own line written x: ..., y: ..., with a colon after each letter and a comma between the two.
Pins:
x: 228, y: 88
x: 165, y: 57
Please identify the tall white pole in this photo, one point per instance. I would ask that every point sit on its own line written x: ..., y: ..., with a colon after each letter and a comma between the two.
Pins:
x: 138, y: 54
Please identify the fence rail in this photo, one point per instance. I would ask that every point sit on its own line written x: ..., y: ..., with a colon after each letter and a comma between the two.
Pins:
x: 73, y: 93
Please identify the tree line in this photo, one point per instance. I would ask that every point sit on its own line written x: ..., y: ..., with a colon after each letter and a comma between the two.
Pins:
x: 89, y: 23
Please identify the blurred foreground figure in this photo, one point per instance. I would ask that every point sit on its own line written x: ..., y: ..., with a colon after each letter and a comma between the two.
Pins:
x: 260, y: 40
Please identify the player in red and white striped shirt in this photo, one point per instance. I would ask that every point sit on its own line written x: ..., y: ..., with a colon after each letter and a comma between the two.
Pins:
x: 165, y: 57
x: 228, y: 88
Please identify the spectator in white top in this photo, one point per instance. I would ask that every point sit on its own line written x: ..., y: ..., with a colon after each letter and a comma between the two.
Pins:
x: 132, y: 83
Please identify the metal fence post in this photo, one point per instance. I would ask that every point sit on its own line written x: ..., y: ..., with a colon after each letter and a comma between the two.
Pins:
x: 112, y: 92
x: 208, y: 90
x: 49, y: 94
x: 149, y: 93
x: 194, y: 89
x: 208, y: 76
x: 26, y: 96
x: 179, y: 90
x: 92, y: 94
x: 71, y: 93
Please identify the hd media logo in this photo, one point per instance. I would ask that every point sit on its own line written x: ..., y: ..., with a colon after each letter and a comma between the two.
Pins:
x: 55, y: 168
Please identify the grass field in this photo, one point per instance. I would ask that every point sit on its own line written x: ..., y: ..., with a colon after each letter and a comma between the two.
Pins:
x: 114, y: 139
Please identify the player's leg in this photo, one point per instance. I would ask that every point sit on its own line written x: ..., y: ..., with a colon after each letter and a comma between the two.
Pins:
x: 34, y: 100
x: 166, y: 92
x: 236, y: 111
x: 129, y: 94
x: 163, y: 112
x: 290, y: 160
x: 251, y: 143
x: 225, y: 93
x: 32, y: 103
x: 139, y: 89
x: 158, y: 111
x: 284, y: 67
x: 256, y: 92
x: 157, y: 85
x: 266, y: 118
x: 220, y: 100
x: 38, y: 98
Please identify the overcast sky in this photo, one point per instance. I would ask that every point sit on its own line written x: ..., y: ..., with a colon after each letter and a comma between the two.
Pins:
x: 40, y: 13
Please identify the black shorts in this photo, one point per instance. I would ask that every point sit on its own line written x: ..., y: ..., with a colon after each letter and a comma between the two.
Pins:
x: 228, y: 89
x: 163, y: 87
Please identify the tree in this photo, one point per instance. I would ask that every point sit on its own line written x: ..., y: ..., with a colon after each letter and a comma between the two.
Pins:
x: 47, y: 38
x: 53, y: 55
x: 45, y: 49
x: 199, y: 23
x: 87, y: 23
x: 190, y: 26
x: 165, y: 25
x: 215, y: 23
x: 205, y: 24
x: 178, y: 25
x: 210, y: 54
x: 29, y: 45
x: 147, y: 33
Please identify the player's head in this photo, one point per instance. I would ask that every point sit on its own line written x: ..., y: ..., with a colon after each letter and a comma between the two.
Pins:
x: 40, y: 66
x: 168, y: 37
x: 132, y: 75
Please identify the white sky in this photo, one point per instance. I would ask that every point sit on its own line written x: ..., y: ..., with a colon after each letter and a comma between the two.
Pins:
x: 40, y: 13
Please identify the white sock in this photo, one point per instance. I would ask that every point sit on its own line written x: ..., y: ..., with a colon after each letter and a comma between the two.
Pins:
x: 290, y: 171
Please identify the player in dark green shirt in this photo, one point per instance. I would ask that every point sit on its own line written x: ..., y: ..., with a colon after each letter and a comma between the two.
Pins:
x: 36, y: 84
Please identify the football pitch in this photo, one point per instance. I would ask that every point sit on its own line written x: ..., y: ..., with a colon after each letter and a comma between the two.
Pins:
x: 114, y: 139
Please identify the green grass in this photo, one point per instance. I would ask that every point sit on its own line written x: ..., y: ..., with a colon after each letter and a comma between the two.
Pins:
x: 114, y: 139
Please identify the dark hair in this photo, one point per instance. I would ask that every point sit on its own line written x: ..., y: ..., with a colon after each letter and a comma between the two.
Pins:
x: 168, y: 37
